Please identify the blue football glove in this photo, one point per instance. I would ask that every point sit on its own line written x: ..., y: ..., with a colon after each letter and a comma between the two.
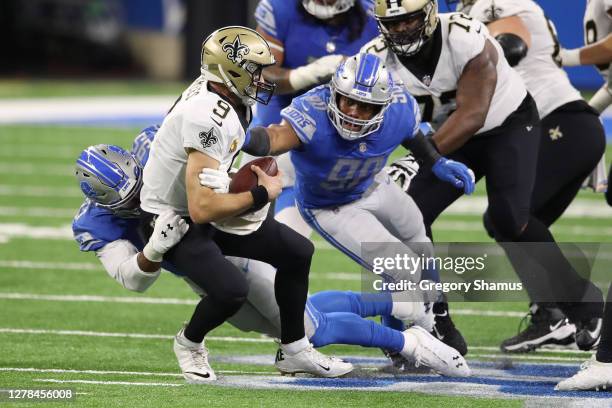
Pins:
x: 458, y: 174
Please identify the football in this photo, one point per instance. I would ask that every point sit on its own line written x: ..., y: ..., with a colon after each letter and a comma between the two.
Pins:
x: 246, y: 179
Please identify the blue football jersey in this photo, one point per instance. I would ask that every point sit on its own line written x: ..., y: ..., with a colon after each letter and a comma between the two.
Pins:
x: 93, y: 227
x: 304, y: 41
x: 332, y: 171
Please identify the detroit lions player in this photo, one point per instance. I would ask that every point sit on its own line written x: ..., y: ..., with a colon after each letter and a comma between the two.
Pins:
x: 569, y: 128
x: 483, y: 116
x: 340, y: 137
x: 331, y: 317
x: 334, y: 29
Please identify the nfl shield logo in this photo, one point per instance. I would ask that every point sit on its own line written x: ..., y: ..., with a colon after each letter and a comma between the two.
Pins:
x: 363, y: 147
x: 426, y: 80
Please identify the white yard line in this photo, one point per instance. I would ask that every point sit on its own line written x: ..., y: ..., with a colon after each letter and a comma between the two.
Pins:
x: 528, y: 358
x: 85, y: 333
x: 37, y: 169
x: 113, y: 372
x: 38, y: 191
x: 83, y: 108
x: 53, y: 380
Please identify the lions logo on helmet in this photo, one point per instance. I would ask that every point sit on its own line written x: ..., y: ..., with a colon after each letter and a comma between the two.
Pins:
x: 406, y: 25
x: 363, y: 78
x: 463, y: 6
x: 236, y: 56
x: 111, y: 177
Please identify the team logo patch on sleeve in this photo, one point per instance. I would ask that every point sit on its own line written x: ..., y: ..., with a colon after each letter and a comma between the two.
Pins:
x: 208, y: 138
x: 302, y: 123
x: 236, y: 51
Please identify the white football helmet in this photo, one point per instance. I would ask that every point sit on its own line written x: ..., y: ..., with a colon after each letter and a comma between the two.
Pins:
x: 326, y: 9
x: 363, y: 78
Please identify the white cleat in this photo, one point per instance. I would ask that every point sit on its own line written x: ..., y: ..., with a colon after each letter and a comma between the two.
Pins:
x: 426, y: 350
x: 593, y: 375
x: 311, y: 361
x: 193, y: 362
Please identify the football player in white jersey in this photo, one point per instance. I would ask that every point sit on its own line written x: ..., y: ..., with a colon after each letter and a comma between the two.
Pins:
x: 597, y: 372
x: 206, y: 129
x: 597, y: 26
x: 483, y: 116
x: 569, y: 128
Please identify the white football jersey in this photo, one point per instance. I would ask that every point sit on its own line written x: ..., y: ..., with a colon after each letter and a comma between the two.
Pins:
x: 463, y: 38
x: 597, y: 25
x: 203, y: 121
x: 546, y: 81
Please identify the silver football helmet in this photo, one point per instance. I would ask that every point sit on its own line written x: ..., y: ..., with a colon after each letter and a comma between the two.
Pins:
x: 111, y: 177
x: 326, y: 9
x: 363, y: 78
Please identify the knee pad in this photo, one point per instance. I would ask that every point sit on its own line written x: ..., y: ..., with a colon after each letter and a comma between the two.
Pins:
x: 505, y: 223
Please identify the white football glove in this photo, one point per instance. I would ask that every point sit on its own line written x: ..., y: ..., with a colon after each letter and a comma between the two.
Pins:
x: 403, y: 170
x: 315, y: 73
x: 168, y: 231
x: 216, y: 180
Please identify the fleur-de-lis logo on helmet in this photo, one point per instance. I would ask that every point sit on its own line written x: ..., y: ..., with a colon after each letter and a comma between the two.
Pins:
x: 236, y: 51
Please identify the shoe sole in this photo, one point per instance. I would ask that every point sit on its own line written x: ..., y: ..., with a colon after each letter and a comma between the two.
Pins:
x: 293, y: 373
x: 563, y: 336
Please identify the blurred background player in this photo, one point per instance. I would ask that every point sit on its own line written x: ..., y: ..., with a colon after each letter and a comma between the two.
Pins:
x: 340, y: 136
x: 308, y: 39
x: 569, y: 128
x: 597, y: 372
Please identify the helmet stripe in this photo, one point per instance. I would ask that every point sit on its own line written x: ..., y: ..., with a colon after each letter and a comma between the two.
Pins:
x: 368, y: 68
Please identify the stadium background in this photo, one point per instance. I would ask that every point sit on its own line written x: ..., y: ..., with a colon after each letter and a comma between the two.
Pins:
x: 80, y: 72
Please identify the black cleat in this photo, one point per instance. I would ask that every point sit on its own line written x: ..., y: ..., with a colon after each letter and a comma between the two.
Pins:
x: 444, y: 329
x: 587, y: 333
x: 546, y: 326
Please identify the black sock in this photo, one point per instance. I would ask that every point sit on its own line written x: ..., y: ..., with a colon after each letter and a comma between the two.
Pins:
x: 604, y: 351
x: 207, y: 315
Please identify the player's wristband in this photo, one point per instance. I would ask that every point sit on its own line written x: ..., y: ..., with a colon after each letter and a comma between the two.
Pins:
x: 151, y: 254
x: 570, y: 58
x: 260, y: 197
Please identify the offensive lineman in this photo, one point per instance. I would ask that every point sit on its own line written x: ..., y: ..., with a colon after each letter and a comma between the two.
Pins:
x: 483, y: 117
x: 205, y: 129
x: 340, y: 136
x: 569, y: 128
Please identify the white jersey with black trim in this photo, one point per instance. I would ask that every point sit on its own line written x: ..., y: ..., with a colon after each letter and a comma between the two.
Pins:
x: 463, y: 38
x: 546, y: 81
x: 597, y: 25
x: 203, y: 121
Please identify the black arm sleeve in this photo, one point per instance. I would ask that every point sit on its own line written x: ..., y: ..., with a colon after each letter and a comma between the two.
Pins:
x: 514, y: 47
x: 258, y: 143
x: 423, y: 148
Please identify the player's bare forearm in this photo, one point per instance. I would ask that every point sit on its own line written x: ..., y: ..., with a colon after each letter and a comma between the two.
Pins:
x: 147, y: 265
x: 597, y: 53
x: 475, y: 91
x: 203, y: 203
x: 277, y: 74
